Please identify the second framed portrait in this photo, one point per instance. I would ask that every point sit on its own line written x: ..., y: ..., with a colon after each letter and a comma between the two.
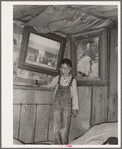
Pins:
x: 89, y: 55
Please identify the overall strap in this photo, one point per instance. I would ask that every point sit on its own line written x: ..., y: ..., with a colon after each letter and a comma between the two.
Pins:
x: 70, y: 84
x: 59, y: 80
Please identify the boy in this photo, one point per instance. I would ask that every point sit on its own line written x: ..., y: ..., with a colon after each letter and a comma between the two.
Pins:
x: 66, y: 97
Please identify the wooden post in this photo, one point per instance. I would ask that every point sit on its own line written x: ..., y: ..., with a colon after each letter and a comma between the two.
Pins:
x: 113, y: 99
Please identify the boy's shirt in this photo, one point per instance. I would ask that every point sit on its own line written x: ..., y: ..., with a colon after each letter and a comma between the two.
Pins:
x: 74, y: 92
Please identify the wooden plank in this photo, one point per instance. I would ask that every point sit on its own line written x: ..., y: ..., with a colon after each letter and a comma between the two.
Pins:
x: 27, y: 123
x: 16, y: 116
x: 24, y: 81
x: 32, y: 87
x: 80, y: 124
x: 41, y: 123
x: 51, y: 120
x: 113, y: 99
x: 99, y: 105
x: 44, y: 97
x: 23, y: 96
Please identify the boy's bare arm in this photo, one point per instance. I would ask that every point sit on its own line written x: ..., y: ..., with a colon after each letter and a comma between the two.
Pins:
x: 52, y: 84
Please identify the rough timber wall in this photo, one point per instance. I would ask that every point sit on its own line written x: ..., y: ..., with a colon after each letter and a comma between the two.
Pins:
x: 33, y: 118
x: 113, y: 91
x: 98, y: 104
x: 31, y: 114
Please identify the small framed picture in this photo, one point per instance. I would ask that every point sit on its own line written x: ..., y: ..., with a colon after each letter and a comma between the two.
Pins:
x: 41, y: 52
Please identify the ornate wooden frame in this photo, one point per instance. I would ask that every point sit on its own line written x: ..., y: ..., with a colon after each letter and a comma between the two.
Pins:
x: 24, y: 47
x: 103, y: 56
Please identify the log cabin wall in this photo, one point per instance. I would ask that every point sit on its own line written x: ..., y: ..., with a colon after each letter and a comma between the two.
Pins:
x: 33, y: 117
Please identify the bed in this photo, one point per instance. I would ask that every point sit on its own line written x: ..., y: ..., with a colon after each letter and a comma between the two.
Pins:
x: 97, y: 134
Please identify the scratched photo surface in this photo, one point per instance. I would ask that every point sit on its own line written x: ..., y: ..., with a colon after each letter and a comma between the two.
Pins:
x: 96, y: 121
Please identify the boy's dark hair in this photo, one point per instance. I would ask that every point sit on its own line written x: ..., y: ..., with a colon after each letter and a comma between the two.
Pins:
x: 111, y: 140
x: 66, y: 61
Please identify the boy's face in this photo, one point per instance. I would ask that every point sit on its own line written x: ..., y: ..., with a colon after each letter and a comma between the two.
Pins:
x: 65, y: 70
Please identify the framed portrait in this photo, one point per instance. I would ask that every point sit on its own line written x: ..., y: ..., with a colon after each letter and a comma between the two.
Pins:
x: 41, y: 52
x: 89, y: 55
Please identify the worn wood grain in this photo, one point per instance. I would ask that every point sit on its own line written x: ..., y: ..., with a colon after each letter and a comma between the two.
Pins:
x: 44, y: 97
x: 113, y: 91
x: 16, y: 117
x: 27, y: 123
x: 41, y: 123
x: 99, y: 105
x: 23, y: 96
x: 80, y: 124
x: 51, y: 129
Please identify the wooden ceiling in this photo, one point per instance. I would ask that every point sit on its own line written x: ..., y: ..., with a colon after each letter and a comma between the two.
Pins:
x: 67, y: 19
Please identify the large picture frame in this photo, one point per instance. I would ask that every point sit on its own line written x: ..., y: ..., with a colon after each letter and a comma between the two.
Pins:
x: 41, y: 52
x: 89, y: 54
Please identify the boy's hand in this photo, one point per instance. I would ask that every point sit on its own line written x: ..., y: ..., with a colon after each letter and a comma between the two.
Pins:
x: 75, y: 112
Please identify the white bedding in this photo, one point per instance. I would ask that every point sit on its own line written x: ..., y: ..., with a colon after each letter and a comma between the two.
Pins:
x: 98, y: 134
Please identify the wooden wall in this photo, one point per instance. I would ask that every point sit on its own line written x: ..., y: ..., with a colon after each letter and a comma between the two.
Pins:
x: 31, y: 114
x: 113, y: 85
x: 33, y: 118
x: 98, y: 104
x: 81, y: 123
x: 105, y: 98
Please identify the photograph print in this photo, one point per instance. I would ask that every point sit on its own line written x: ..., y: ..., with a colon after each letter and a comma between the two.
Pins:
x: 39, y: 53
x: 65, y: 74
x: 88, y: 57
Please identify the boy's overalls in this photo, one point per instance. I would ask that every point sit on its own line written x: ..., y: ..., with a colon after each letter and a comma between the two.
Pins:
x: 62, y: 113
